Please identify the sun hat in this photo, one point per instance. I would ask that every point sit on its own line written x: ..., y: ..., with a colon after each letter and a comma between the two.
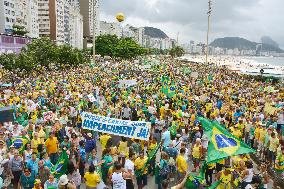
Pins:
x: 63, y: 180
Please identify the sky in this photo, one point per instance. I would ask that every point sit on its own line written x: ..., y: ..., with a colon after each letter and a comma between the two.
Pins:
x: 250, y: 19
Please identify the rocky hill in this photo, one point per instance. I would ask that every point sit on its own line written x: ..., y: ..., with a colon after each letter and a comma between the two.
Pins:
x: 155, y: 33
x: 242, y: 44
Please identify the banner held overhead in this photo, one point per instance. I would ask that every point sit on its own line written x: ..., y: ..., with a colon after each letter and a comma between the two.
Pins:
x: 131, y: 129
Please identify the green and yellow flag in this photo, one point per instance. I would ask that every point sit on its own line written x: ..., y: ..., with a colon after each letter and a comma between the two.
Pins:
x: 150, y: 156
x: 195, y: 181
x: 214, y: 185
x: 165, y: 84
x: 60, y: 167
x: 171, y: 90
x: 20, y: 142
x: 222, y: 143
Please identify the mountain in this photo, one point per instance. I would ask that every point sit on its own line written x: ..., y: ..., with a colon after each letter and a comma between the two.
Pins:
x: 267, y: 40
x: 242, y: 44
x: 155, y: 33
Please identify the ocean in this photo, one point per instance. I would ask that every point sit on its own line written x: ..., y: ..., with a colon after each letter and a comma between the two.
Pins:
x: 274, y: 61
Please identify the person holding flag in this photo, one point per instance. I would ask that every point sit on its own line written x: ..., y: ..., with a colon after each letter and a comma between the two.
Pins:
x: 140, y: 165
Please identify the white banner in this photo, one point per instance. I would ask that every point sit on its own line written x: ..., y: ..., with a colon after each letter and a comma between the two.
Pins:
x: 126, y: 83
x: 131, y: 129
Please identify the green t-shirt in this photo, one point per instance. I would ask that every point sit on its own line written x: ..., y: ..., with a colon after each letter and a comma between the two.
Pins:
x: 108, y: 159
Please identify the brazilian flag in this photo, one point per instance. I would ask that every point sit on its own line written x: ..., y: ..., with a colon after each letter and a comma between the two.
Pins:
x: 195, y: 181
x: 60, y: 167
x: 222, y: 143
x: 165, y: 84
x: 150, y: 156
x: 172, y: 90
x: 20, y: 142
x: 214, y: 185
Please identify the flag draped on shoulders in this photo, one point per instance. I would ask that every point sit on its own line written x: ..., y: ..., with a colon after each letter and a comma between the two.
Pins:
x: 150, y: 156
x: 60, y: 167
x: 222, y: 143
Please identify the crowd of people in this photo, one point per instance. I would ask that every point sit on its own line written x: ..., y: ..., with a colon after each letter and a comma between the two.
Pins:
x: 47, y: 113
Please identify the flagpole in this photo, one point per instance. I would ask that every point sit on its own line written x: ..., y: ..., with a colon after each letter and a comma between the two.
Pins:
x: 208, y: 28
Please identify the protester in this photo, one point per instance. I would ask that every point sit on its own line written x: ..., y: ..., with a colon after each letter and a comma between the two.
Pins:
x: 49, y: 106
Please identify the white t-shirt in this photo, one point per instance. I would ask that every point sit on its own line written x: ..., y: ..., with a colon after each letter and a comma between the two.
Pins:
x: 129, y: 165
x: 249, y: 187
x: 118, y: 181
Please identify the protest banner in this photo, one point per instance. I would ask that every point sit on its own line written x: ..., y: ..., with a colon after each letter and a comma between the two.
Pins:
x: 131, y: 129
x: 47, y: 116
x: 127, y: 83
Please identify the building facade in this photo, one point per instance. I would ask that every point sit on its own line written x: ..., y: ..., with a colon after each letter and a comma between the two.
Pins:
x: 76, y: 26
x: 7, y: 15
x: 32, y: 25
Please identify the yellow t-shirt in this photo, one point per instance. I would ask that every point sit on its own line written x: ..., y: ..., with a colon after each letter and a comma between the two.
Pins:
x: 181, y: 164
x: 122, y: 148
x: 51, y: 145
x: 262, y: 133
x: 35, y: 144
x: 139, y: 163
x: 104, y: 139
x: 92, y: 179
x: 236, y: 132
x: 196, y: 151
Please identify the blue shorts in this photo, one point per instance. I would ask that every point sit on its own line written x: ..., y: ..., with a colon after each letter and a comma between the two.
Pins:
x: 142, y: 180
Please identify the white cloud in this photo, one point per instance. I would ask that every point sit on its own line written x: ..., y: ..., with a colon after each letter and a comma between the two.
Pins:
x: 245, y: 18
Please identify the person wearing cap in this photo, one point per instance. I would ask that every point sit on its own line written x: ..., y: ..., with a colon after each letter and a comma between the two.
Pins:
x: 51, y: 145
x: 138, y: 165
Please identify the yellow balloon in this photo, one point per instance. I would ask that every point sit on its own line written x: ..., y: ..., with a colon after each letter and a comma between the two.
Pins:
x: 120, y: 17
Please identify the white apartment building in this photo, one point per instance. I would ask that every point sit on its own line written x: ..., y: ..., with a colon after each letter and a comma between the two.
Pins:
x: 21, y: 12
x: 51, y: 19
x: 32, y: 18
x: 7, y: 15
x: 136, y: 34
x: 111, y: 29
x: 76, y: 27
x: 43, y: 18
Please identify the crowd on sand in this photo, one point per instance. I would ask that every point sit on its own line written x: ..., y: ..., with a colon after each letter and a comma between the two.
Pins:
x: 251, y: 110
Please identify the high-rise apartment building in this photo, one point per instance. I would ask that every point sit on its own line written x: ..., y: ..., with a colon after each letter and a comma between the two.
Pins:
x: 57, y: 20
x: 7, y: 15
x: 76, y: 27
x: 51, y: 19
x: 89, y: 10
x: 32, y: 25
x: 19, y: 12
